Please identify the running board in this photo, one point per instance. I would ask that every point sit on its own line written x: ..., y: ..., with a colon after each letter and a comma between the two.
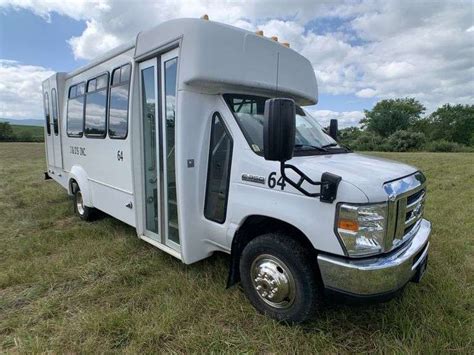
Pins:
x: 163, y: 247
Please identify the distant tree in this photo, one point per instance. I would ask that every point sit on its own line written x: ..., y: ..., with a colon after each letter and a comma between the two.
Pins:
x: 6, y: 132
x: 389, y: 116
x: 348, y: 135
x: 453, y: 123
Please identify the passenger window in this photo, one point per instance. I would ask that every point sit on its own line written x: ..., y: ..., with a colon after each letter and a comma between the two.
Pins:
x: 96, y: 107
x: 218, y: 174
x: 118, y: 107
x: 46, y: 113
x: 54, y: 108
x: 75, y: 111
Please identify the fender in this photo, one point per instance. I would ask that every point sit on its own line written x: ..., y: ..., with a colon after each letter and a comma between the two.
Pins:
x: 78, y: 174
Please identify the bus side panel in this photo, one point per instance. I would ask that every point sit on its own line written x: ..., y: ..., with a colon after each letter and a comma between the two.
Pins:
x: 106, y: 162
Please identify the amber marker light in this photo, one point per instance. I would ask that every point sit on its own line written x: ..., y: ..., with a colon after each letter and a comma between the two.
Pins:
x: 348, y: 224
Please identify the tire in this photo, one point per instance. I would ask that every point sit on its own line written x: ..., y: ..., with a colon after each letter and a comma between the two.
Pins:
x: 84, y: 212
x: 277, y: 264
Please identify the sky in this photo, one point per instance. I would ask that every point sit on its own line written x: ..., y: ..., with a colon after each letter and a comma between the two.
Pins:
x: 362, y: 51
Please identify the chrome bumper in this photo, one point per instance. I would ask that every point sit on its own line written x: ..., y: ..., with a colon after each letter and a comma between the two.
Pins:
x: 377, y: 275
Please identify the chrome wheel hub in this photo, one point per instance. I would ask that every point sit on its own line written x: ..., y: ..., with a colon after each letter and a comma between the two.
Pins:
x: 273, y: 281
x: 79, y: 203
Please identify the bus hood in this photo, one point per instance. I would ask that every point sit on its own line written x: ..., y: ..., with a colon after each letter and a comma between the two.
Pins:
x: 365, y: 172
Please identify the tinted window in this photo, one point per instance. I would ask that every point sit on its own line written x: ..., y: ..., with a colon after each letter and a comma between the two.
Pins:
x: 171, y: 67
x: 118, y: 108
x: 125, y: 73
x: 46, y: 113
x: 116, y: 76
x: 54, y: 109
x: 218, y: 175
x: 75, y: 111
x: 96, y: 106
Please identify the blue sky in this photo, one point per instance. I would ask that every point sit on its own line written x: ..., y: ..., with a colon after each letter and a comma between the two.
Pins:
x: 28, y: 38
x: 362, y: 51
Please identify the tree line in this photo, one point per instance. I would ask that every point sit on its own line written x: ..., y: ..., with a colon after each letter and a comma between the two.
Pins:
x: 399, y: 125
x: 10, y: 133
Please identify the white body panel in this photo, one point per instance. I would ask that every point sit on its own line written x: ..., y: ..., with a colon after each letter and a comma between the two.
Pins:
x: 213, y: 59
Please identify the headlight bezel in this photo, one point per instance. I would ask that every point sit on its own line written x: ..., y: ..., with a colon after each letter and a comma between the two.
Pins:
x: 347, y: 244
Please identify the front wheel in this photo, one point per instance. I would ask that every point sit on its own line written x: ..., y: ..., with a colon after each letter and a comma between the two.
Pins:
x: 84, y: 212
x: 278, y: 278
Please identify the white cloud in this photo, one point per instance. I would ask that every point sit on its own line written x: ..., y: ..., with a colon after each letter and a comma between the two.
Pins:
x: 368, y: 48
x: 20, y: 89
x: 94, y: 33
x: 366, y: 93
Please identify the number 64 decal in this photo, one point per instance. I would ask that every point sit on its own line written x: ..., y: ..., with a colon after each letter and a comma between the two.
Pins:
x: 274, y: 182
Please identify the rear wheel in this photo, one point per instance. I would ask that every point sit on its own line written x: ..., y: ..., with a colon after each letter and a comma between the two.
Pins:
x: 84, y: 212
x: 278, y: 278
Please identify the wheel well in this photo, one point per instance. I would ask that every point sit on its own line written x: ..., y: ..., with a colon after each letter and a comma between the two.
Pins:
x: 72, y: 186
x: 254, y: 226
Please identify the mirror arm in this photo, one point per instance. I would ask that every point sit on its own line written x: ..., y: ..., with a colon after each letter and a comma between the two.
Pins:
x: 303, y: 178
x: 329, y: 183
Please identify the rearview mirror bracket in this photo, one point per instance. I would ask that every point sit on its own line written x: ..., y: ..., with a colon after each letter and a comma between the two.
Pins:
x: 329, y: 183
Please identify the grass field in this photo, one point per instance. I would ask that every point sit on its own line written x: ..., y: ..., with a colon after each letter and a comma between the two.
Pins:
x: 72, y: 286
x: 28, y: 133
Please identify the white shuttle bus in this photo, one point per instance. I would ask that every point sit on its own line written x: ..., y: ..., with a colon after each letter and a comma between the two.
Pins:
x: 196, y: 135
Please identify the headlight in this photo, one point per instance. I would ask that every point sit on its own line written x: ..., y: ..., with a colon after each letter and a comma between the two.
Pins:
x: 362, y: 228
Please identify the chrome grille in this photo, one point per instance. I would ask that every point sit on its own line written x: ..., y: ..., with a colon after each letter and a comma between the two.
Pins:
x: 405, y: 208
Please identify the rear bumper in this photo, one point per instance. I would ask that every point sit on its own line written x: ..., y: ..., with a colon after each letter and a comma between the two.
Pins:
x: 378, y: 275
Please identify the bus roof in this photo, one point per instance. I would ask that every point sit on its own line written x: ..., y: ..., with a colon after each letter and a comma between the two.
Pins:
x: 218, y: 58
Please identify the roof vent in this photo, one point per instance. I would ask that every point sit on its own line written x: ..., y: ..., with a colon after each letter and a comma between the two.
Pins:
x: 259, y: 32
x: 275, y: 38
x: 205, y: 17
x: 286, y: 44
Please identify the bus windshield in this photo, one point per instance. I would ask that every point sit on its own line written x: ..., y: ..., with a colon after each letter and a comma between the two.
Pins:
x: 248, y: 110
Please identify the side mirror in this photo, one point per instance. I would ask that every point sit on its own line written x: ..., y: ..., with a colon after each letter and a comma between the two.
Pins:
x: 279, y: 129
x: 333, y: 128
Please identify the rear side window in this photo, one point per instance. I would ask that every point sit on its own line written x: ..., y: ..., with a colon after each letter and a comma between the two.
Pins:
x: 75, y: 110
x: 54, y: 109
x: 218, y: 174
x: 46, y: 113
x: 96, y: 107
x: 118, y: 107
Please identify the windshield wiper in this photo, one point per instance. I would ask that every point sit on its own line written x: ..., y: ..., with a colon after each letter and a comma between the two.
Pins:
x: 329, y: 145
x: 337, y: 144
x: 311, y: 147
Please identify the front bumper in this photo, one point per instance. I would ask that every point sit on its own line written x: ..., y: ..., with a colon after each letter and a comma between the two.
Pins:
x: 376, y: 275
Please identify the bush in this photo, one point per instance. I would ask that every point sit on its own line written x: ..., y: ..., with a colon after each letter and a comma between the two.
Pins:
x: 443, y: 145
x: 406, y: 141
x: 367, y: 141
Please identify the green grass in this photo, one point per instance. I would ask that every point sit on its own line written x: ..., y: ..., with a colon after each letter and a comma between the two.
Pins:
x: 72, y: 286
x: 28, y: 133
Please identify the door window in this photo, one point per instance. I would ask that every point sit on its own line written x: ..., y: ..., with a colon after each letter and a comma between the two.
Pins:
x: 46, y: 113
x: 149, y: 144
x: 54, y: 104
x: 218, y: 175
x: 171, y: 67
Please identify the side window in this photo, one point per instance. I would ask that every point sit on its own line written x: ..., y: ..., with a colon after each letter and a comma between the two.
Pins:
x: 75, y: 110
x: 218, y: 174
x: 46, y: 113
x: 118, y: 107
x: 54, y: 109
x: 96, y: 107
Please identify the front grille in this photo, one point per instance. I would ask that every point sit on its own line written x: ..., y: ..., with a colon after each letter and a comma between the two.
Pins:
x: 406, y: 206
